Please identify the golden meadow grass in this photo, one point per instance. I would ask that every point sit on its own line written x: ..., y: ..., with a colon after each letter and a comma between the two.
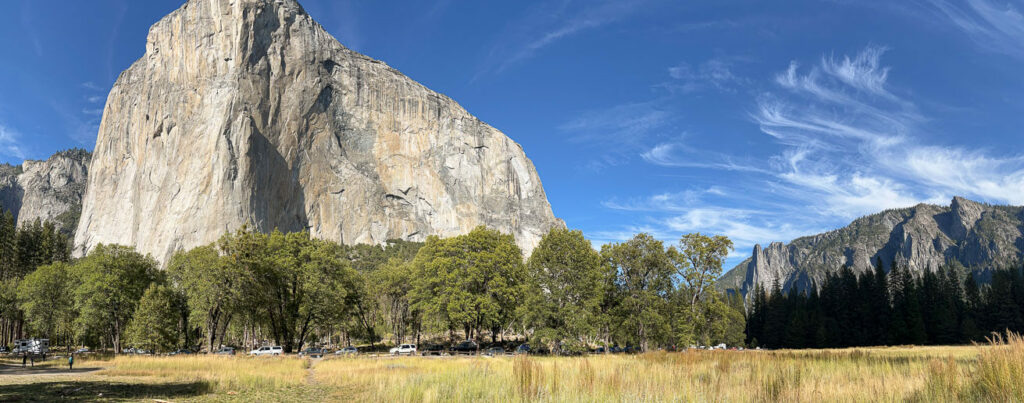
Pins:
x: 992, y: 372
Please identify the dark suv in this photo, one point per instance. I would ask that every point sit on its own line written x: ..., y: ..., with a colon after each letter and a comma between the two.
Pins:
x: 467, y: 347
x: 432, y: 349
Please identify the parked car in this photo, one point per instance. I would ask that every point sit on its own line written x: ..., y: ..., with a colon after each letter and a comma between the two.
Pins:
x: 226, y: 351
x: 494, y: 351
x: 312, y: 352
x: 404, y: 349
x: 347, y: 351
x: 183, y: 351
x: 137, y: 351
x: 4, y: 350
x: 632, y: 350
x: 82, y: 350
x: 527, y: 349
x: 267, y: 350
x: 433, y: 349
x: 467, y: 347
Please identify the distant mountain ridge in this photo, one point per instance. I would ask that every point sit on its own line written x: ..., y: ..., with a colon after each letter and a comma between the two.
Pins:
x: 49, y: 190
x: 923, y: 237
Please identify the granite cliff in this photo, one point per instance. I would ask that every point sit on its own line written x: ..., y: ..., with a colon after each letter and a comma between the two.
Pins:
x: 923, y: 237
x: 249, y: 112
x: 49, y: 190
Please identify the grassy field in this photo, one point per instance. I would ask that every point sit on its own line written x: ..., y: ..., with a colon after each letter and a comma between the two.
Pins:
x: 926, y: 374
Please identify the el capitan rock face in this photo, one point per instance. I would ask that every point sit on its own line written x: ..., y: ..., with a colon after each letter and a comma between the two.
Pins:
x: 248, y: 112
x: 923, y: 237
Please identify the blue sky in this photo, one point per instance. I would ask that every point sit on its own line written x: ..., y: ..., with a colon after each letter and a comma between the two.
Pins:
x: 763, y: 121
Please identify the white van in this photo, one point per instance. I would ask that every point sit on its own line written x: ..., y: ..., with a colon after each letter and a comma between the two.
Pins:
x: 405, y: 349
x: 267, y: 350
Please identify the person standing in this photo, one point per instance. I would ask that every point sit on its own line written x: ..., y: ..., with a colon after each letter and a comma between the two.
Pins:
x: 71, y: 361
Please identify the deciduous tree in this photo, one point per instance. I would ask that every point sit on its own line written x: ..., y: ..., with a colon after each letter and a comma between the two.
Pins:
x: 113, y: 279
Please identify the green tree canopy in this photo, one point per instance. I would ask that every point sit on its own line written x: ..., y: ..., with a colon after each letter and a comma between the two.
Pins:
x: 154, y: 326
x: 113, y: 279
x: 471, y: 281
x: 211, y: 288
x: 47, y: 298
x: 644, y: 284
x: 565, y: 287
x: 294, y: 282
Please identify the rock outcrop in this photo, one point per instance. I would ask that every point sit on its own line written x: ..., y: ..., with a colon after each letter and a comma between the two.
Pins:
x: 50, y: 190
x: 923, y: 237
x: 249, y: 112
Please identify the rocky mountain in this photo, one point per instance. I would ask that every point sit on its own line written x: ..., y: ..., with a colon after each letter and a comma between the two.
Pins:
x: 923, y: 237
x: 50, y: 190
x: 249, y: 112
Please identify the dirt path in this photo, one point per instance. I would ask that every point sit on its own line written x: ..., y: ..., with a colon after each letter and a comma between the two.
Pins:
x: 310, y: 376
x: 6, y: 369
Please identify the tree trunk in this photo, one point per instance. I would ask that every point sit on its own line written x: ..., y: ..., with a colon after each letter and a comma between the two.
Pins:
x: 223, y: 331
x: 117, y: 338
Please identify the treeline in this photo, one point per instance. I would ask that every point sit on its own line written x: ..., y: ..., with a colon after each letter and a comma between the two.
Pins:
x: 894, y: 307
x: 250, y: 288
x: 22, y: 250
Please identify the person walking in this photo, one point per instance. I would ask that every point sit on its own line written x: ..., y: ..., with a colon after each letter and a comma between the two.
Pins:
x: 71, y: 361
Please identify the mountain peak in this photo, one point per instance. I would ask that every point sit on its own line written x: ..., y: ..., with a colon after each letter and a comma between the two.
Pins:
x: 971, y: 233
x: 961, y: 202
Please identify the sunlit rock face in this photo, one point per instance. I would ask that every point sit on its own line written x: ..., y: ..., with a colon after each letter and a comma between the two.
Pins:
x: 923, y: 237
x: 249, y: 112
x: 49, y: 190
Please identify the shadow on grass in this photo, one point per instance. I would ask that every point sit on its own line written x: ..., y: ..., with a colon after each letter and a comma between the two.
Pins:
x: 87, y: 391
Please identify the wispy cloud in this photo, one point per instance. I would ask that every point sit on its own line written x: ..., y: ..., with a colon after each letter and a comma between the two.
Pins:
x: 850, y: 146
x: 996, y: 26
x: 89, y: 85
x: 81, y: 124
x: 856, y: 148
x: 28, y: 26
x: 675, y: 154
x: 627, y: 123
x: 717, y: 73
x: 743, y: 227
x: 120, y: 10
x: 665, y: 202
x: 619, y: 132
x: 82, y: 121
x: 966, y: 172
x: 861, y: 72
x: 707, y: 210
x: 551, y: 23
x: 10, y: 142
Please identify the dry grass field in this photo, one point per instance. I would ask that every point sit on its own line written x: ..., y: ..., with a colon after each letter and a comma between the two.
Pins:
x: 968, y: 373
